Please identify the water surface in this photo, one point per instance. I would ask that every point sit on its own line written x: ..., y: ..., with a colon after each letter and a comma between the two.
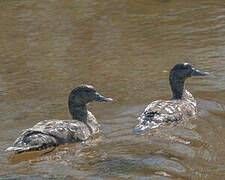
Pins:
x: 125, y: 49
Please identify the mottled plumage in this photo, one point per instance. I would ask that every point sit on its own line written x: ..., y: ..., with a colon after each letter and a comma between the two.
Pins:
x: 49, y: 133
x: 181, y: 105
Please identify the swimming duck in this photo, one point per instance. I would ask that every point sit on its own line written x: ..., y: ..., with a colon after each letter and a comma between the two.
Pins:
x: 49, y: 133
x: 181, y: 105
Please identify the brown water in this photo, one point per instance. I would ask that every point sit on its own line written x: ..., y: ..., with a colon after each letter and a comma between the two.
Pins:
x: 125, y: 49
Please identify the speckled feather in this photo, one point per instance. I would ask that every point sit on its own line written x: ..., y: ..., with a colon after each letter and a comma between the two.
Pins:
x: 170, y: 110
x: 54, y: 132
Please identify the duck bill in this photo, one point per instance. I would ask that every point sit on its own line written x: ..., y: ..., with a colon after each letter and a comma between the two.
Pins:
x: 198, y: 73
x: 99, y: 97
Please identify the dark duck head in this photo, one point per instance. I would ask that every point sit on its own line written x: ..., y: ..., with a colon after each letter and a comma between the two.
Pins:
x: 181, y: 105
x: 178, y: 74
x: 78, y: 99
x: 53, y: 132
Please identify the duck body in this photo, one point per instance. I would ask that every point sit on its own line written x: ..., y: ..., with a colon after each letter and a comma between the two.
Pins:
x: 162, y: 111
x: 182, y: 104
x: 54, y: 132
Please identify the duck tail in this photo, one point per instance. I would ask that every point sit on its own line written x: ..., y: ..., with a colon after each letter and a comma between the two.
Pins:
x: 32, y: 141
x: 20, y: 149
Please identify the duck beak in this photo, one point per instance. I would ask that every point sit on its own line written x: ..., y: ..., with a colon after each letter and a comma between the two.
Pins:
x: 99, y: 97
x: 196, y: 72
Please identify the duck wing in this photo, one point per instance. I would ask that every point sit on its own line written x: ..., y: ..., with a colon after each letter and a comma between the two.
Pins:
x: 164, y: 111
x: 161, y: 111
x: 49, y: 133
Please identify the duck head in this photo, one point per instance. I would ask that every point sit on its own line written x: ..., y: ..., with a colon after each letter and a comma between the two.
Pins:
x: 178, y: 74
x: 79, y: 97
x: 84, y: 94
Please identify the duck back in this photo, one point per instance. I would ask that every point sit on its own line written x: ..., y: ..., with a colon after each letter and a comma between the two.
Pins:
x: 161, y: 111
x: 170, y: 110
x: 51, y: 133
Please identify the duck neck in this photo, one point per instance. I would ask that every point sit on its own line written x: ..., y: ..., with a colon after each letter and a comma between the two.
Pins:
x: 177, y: 88
x: 78, y: 112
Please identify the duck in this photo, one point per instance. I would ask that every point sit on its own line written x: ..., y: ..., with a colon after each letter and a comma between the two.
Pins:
x: 182, y: 104
x: 48, y: 133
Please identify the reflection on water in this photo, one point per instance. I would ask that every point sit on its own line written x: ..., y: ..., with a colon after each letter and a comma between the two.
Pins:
x: 125, y: 49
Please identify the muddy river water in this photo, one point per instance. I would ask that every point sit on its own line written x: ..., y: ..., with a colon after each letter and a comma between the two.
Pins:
x: 125, y: 48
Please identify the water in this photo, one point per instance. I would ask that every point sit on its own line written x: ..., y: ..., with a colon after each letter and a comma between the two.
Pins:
x: 125, y: 49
